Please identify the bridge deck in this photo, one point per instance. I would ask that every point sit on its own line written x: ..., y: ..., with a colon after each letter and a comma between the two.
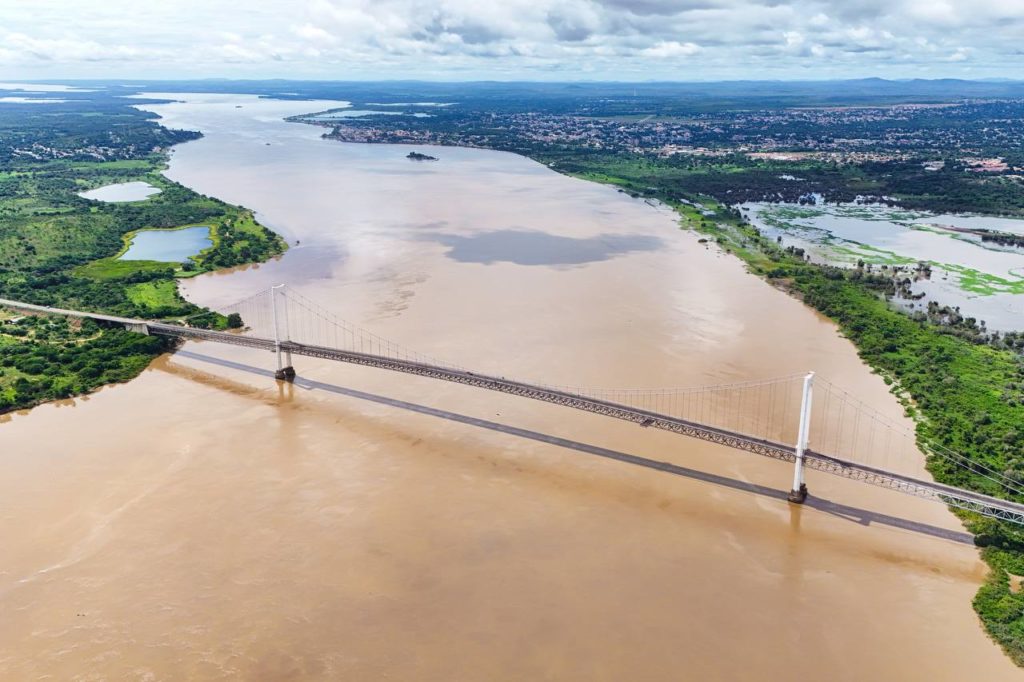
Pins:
x: 956, y: 497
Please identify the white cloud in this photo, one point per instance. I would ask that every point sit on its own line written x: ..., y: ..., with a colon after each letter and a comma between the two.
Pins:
x: 314, y: 34
x: 25, y: 48
x: 510, y: 38
x: 671, y: 49
x: 962, y: 54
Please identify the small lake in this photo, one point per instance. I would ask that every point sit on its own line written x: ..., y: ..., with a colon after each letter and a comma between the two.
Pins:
x: 172, y: 246
x: 122, y: 191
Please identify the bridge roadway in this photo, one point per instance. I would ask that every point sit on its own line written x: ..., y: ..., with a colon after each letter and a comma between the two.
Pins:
x: 955, y: 497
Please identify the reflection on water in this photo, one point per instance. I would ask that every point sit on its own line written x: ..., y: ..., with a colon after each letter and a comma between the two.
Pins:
x: 208, y: 523
x: 853, y: 514
x: 171, y: 246
x: 524, y: 247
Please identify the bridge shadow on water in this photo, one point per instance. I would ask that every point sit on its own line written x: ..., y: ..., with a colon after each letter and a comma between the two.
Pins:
x: 857, y: 515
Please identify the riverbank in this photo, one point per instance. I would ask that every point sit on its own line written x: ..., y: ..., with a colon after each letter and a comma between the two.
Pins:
x: 596, y: 567
x: 64, y: 250
x: 963, y: 385
x: 964, y: 394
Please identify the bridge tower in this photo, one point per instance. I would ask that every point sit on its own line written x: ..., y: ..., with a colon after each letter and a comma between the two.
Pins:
x: 285, y: 371
x: 799, y: 492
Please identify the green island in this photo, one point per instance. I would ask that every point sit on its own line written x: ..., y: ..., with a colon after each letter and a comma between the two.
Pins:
x: 417, y: 156
x: 59, y: 249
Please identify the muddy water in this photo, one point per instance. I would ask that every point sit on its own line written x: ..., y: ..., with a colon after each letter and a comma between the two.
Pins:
x: 203, y: 522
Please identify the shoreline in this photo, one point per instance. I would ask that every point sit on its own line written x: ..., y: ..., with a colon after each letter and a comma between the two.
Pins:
x: 150, y: 169
x: 319, y: 466
x: 927, y: 420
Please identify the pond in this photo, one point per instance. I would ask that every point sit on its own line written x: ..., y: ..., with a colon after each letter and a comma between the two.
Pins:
x: 172, y: 246
x: 122, y: 191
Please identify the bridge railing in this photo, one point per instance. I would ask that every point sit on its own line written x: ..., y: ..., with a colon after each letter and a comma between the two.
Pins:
x: 834, y: 432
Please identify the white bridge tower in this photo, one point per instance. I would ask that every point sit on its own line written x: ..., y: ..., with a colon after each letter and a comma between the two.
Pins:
x: 799, y: 492
x: 285, y: 371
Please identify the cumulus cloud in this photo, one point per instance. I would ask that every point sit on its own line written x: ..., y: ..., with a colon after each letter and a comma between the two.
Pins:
x: 511, y: 38
x: 26, y: 48
x: 671, y: 48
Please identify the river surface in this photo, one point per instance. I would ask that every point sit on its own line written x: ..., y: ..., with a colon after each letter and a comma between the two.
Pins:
x: 204, y: 522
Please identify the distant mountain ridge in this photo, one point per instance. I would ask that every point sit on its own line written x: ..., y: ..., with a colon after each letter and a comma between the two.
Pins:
x: 555, y: 97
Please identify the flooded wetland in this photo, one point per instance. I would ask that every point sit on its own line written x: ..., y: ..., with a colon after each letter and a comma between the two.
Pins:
x: 206, y: 522
x: 967, y: 267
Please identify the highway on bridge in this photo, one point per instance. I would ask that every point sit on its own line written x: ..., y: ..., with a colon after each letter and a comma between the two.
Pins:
x: 955, y: 497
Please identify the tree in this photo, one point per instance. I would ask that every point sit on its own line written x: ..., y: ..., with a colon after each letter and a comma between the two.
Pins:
x: 234, y: 321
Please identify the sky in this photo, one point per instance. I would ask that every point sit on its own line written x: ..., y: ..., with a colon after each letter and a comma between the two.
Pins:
x: 685, y: 40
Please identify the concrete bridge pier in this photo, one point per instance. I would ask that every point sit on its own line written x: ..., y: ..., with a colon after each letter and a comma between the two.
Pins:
x: 285, y: 371
x: 799, y: 492
x: 138, y: 327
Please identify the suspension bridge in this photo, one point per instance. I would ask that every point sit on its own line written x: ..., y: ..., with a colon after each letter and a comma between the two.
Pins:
x: 778, y: 418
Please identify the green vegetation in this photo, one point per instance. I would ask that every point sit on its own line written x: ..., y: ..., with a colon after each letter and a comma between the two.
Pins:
x: 983, y: 283
x: 111, y: 268
x: 736, y: 178
x: 966, y: 396
x: 59, y: 249
x: 44, y: 358
x: 871, y: 254
x: 154, y: 295
x: 790, y: 218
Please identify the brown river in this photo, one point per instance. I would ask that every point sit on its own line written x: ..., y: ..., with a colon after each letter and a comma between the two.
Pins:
x: 203, y: 522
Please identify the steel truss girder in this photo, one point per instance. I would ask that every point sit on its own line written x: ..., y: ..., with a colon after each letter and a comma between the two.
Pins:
x: 956, y: 497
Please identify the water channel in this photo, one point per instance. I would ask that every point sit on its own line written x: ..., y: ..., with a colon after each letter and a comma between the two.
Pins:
x: 203, y: 522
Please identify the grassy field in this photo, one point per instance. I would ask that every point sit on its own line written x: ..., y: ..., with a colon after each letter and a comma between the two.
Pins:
x: 113, y: 269
x: 57, y: 248
x: 155, y: 295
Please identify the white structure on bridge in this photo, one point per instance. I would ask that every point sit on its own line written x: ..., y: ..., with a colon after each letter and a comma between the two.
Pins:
x: 851, y: 439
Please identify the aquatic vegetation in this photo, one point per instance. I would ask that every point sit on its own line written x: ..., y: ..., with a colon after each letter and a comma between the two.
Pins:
x: 983, y: 283
x: 866, y: 253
